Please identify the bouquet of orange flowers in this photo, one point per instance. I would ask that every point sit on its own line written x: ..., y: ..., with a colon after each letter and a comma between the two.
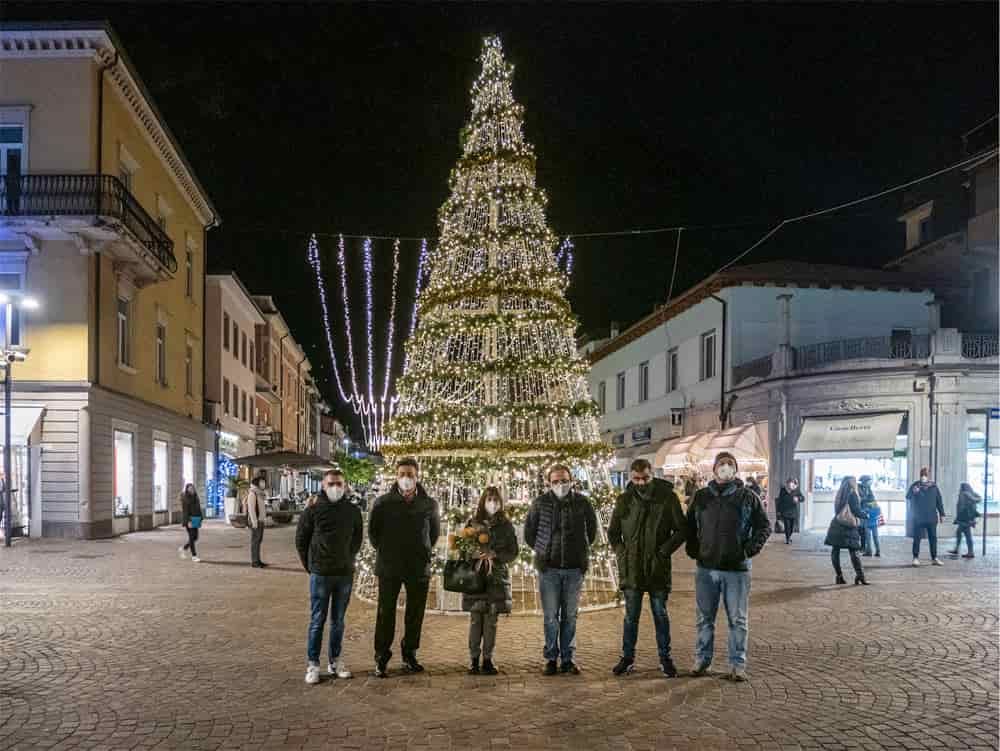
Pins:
x: 470, y: 541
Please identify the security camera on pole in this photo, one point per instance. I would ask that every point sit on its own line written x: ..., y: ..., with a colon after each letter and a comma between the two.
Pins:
x: 12, y: 352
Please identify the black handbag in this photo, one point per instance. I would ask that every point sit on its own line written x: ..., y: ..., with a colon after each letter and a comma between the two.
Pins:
x: 463, y: 576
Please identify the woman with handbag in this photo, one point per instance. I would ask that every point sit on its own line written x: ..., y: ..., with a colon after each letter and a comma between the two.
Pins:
x: 844, y: 531
x: 497, y: 547
x: 191, y: 517
x: 787, y: 507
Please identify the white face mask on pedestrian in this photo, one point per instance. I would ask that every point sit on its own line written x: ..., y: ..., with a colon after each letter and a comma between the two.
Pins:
x: 561, y: 489
x: 334, y: 492
x: 725, y: 473
x: 491, y: 507
x: 407, y: 484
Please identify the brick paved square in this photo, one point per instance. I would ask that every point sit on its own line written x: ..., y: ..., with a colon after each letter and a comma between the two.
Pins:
x: 120, y: 644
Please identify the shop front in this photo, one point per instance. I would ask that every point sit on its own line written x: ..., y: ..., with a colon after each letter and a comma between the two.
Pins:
x: 833, y: 447
x: 25, y: 462
x: 693, y: 456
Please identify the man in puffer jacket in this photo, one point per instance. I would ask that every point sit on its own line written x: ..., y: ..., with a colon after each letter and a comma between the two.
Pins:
x: 727, y: 526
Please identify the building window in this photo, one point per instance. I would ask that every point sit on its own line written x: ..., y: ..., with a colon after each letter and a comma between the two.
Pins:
x: 225, y: 396
x: 124, y: 473
x: 643, y: 381
x: 12, y: 148
x: 253, y: 367
x: 236, y: 341
x: 672, y: 375
x: 602, y: 396
x: 124, y: 331
x: 188, y: 369
x: 708, y: 355
x: 243, y: 406
x: 189, y: 274
x: 975, y: 460
x: 243, y: 356
x: 926, y: 229
x: 160, y: 464
x: 161, y: 354
x: 187, y: 465
x: 236, y: 401
x: 225, y: 331
x: 620, y: 392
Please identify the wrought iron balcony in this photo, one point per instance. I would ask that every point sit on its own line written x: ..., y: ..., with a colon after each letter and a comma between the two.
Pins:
x: 862, y: 348
x: 86, y: 195
x: 759, y: 368
x: 978, y: 346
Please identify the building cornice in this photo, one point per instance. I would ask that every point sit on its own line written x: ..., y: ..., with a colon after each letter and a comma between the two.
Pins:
x: 99, y: 43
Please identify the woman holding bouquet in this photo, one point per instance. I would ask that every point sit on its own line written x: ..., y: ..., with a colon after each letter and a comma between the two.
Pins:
x: 488, y: 539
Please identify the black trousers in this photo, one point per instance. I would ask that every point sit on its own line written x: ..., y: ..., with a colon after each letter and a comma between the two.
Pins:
x: 855, y: 561
x: 413, y: 618
x: 256, y: 537
x: 192, y: 539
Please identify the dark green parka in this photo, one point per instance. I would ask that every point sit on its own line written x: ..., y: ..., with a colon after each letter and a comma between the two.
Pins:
x: 644, y: 534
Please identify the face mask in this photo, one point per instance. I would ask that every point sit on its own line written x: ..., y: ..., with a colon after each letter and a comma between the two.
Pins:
x: 725, y: 472
x: 793, y: 486
x: 560, y: 489
x: 491, y: 507
x: 924, y: 478
x: 334, y: 492
x: 407, y: 484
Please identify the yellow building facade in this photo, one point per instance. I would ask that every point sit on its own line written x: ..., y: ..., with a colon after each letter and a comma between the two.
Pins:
x: 103, y: 220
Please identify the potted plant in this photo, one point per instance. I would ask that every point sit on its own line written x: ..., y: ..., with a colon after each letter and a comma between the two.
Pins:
x: 236, y: 490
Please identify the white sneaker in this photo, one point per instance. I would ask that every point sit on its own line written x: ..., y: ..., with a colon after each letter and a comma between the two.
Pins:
x: 196, y: 559
x: 340, y: 670
x: 916, y: 562
x: 936, y: 562
x: 182, y: 552
x: 312, y: 674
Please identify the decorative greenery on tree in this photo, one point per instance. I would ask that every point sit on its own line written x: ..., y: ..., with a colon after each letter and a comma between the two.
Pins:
x: 494, y: 391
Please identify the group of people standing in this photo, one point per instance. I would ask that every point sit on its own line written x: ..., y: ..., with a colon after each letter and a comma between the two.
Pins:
x: 724, y: 527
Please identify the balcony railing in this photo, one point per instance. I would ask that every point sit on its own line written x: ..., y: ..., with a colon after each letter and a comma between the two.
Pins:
x: 86, y: 195
x: 759, y: 368
x: 862, y: 348
x: 978, y: 346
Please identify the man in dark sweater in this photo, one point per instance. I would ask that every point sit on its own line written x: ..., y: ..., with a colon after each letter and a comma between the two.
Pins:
x: 726, y: 527
x: 924, y: 509
x: 403, y: 527
x: 328, y: 539
x: 560, y: 527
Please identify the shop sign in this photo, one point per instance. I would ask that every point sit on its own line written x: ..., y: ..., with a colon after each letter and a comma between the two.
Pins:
x: 618, y: 440
x: 641, y: 435
x: 229, y: 443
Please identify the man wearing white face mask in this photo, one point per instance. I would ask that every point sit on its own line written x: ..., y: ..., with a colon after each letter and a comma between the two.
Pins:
x: 560, y: 527
x: 328, y: 539
x: 727, y: 526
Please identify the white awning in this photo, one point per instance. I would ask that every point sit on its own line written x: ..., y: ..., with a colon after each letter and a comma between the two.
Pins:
x: 856, y: 437
x: 22, y: 423
x: 683, y: 452
x: 743, y: 442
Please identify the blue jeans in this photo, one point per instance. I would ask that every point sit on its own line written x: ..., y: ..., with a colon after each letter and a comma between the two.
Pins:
x: 633, y: 609
x: 333, y: 594
x: 733, y: 587
x: 560, y: 591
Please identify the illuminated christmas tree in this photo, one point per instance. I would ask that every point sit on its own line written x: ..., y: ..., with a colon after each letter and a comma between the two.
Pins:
x: 493, y: 391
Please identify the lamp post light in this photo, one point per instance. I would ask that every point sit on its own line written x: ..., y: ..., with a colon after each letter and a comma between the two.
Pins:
x: 12, y: 352
x: 347, y: 446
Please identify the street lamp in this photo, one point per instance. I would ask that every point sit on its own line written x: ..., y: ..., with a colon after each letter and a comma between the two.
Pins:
x: 347, y: 445
x: 12, y: 352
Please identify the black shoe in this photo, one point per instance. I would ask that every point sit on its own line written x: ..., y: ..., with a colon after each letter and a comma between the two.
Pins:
x: 860, y: 579
x: 878, y: 555
x: 840, y: 580
x: 570, y: 667
x: 489, y: 668
x: 625, y: 666
x: 381, y: 669
x: 550, y: 668
x: 474, y: 668
x: 668, y: 668
x: 867, y: 555
x: 411, y: 665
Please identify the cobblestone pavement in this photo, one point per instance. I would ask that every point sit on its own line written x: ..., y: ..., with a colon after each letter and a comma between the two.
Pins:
x: 118, y: 644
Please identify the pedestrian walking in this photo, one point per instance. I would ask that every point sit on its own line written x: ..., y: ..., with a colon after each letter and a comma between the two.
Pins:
x: 845, y: 529
x: 256, y: 516
x: 924, y: 510
x: 191, y: 516
x: 647, y: 527
x: 966, y: 514
x: 726, y: 527
x: 787, y: 506
x: 869, y: 528
x: 328, y: 538
x: 403, y: 527
x: 560, y: 527
x: 490, y: 523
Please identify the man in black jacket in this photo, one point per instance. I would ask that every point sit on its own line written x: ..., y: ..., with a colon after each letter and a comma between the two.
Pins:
x: 924, y: 509
x: 647, y: 527
x: 328, y: 539
x: 404, y: 526
x: 726, y: 527
x: 560, y: 527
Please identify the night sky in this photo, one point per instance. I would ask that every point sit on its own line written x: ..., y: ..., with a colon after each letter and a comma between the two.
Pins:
x: 345, y: 118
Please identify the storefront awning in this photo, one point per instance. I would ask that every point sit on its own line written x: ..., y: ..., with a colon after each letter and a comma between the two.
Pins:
x: 22, y: 423
x: 679, y: 453
x: 291, y: 459
x: 744, y: 442
x: 853, y: 437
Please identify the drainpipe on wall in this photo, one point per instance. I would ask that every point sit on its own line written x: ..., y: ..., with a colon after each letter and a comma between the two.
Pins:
x: 934, y: 309
x: 281, y: 385
x: 299, y: 399
x: 97, y: 214
x: 723, y: 412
